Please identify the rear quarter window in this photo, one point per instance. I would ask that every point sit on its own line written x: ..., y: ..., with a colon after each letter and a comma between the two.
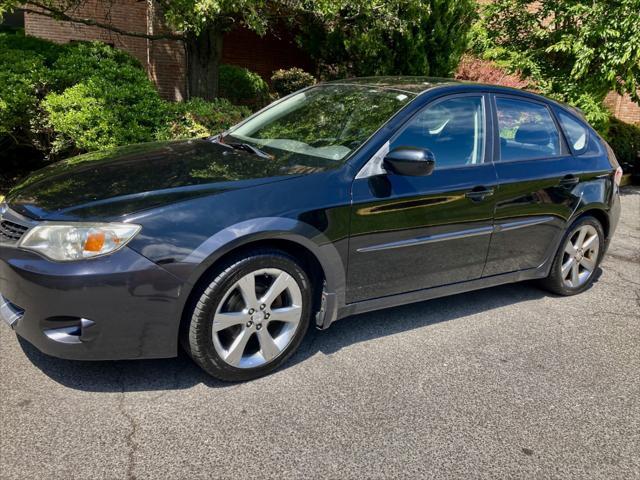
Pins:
x: 579, y: 136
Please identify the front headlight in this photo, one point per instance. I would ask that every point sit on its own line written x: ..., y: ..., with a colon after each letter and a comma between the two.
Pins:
x: 77, y: 241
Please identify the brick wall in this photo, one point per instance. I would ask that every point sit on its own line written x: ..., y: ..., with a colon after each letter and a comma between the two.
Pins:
x: 165, y: 60
x: 623, y: 107
x: 265, y: 54
x: 126, y: 14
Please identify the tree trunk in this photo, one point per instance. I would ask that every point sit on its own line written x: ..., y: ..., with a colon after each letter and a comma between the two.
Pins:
x: 204, y: 52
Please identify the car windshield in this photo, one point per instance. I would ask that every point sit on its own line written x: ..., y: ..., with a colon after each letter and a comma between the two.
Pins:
x: 327, y: 122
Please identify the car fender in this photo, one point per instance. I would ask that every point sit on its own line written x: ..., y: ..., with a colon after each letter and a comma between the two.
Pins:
x: 259, y: 229
x: 593, y: 195
x: 270, y: 228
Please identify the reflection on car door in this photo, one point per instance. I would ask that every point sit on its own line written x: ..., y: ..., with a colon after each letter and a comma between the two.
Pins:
x: 537, y: 176
x: 410, y: 233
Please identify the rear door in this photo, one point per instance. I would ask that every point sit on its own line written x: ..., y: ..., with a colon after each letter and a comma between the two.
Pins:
x: 537, y: 178
x: 410, y: 233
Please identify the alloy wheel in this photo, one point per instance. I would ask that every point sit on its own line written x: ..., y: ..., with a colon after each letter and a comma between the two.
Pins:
x: 257, y: 318
x: 580, y: 256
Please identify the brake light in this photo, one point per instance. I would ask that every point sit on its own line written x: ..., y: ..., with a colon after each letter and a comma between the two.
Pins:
x: 617, y: 178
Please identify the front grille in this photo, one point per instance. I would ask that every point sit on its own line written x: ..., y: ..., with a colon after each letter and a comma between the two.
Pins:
x: 11, y: 232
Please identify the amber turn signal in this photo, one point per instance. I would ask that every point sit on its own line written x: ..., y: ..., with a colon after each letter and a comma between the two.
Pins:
x: 94, y: 242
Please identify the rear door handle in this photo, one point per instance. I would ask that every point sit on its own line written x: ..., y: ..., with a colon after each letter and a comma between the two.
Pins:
x: 569, y: 180
x: 479, y: 193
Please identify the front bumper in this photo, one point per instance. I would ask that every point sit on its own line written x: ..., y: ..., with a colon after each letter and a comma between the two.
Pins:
x: 121, y: 306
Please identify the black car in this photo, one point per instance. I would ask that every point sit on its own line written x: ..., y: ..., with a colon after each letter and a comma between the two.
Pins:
x: 342, y: 198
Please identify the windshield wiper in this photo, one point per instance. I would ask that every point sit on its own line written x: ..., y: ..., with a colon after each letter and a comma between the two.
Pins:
x: 246, y: 147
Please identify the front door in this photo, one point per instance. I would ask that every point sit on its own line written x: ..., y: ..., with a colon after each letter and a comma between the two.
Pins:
x: 409, y: 233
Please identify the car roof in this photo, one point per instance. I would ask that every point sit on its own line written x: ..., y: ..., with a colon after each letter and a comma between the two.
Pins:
x: 407, y: 84
x: 417, y: 84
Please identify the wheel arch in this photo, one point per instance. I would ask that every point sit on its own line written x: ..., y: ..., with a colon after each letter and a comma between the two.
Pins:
x: 599, y: 214
x: 317, y: 255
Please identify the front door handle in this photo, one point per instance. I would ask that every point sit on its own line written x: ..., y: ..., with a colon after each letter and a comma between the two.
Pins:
x: 479, y: 193
x: 569, y: 180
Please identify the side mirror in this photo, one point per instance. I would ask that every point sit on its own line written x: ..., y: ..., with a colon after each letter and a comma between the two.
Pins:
x: 413, y: 162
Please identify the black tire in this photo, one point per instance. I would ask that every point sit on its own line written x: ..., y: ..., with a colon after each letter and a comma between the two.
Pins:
x: 555, y: 282
x: 199, y: 334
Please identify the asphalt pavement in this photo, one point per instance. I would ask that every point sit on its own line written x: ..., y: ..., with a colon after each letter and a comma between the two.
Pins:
x: 508, y: 382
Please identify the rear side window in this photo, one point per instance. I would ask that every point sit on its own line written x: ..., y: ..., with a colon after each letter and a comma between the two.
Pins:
x: 577, y: 134
x: 527, y: 131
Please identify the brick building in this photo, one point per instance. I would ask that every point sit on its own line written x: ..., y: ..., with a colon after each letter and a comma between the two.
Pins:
x: 623, y: 107
x: 165, y: 60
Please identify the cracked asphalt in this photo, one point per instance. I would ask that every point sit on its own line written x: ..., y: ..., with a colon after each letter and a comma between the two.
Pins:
x: 508, y: 382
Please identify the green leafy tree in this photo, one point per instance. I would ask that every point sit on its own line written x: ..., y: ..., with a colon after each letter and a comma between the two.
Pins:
x: 198, y: 24
x: 575, y: 51
x: 392, y: 37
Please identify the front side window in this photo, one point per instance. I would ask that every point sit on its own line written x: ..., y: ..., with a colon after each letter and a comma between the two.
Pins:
x: 326, y: 122
x: 527, y: 130
x: 453, y: 130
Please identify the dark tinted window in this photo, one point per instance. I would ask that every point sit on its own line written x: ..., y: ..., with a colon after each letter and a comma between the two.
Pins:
x: 452, y: 129
x: 577, y: 134
x: 527, y: 130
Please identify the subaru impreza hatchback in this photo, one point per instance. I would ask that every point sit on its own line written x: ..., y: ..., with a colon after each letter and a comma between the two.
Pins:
x: 342, y: 198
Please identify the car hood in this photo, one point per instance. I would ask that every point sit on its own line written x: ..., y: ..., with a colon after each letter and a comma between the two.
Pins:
x: 117, y: 182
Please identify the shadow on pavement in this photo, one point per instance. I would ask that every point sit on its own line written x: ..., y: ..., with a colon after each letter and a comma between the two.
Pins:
x: 181, y: 372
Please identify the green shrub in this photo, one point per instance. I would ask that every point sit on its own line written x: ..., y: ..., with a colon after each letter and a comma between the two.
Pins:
x: 288, y: 81
x: 48, y: 51
x: 81, y: 60
x: 60, y: 100
x: 116, y: 107
x: 199, y: 118
x: 624, y: 139
x: 242, y: 87
x: 22, y: 74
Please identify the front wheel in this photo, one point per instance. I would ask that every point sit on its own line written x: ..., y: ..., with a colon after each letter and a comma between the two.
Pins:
x: 578, y: 258
x: 252, y: 317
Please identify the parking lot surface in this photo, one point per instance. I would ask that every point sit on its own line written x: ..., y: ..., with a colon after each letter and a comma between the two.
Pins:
x: 508, y: 382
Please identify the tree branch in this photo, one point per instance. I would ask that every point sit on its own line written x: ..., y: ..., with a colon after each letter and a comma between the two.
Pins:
x: 47, y: 11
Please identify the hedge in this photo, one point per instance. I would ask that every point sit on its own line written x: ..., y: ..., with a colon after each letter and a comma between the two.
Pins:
x: 624, y: 139
x: 243, y: 87
x: 288, y: 81
x: 60, y: 100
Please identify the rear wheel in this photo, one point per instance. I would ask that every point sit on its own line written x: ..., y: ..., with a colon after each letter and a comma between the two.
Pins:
x: 251, y: 317
x: 577, y: 259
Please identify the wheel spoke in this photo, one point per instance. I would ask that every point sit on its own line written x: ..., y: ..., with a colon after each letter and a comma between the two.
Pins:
x: 279, y: 285
x: 566, y: 267
x: 570, y: 249
x: 581, y: 236
x: 287, y: 314
x: 228, y: 319
x: 234, y: 354
x: 247, y: 286
x: 575, y: 274
x: 588, y: 264
x: 268, y: 346
x: 589, y: 241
